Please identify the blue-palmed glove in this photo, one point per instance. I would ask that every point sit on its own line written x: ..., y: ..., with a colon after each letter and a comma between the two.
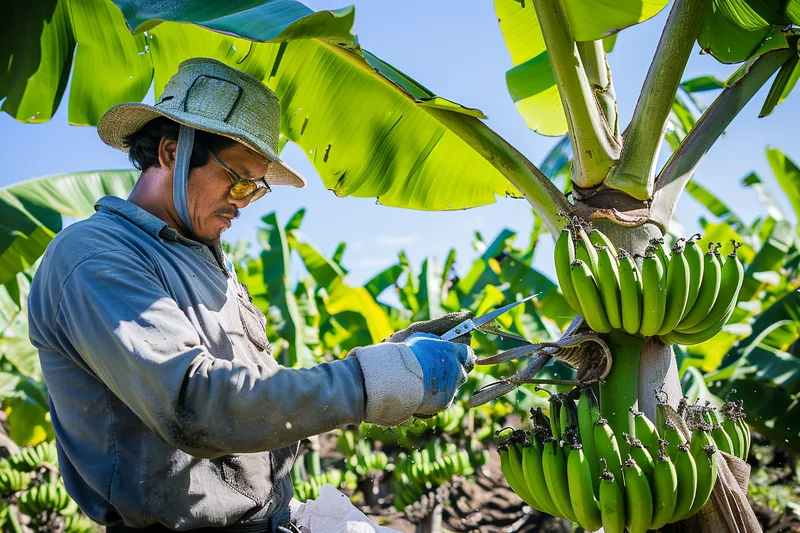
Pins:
x: 414, y: 372
x: 445, y: 366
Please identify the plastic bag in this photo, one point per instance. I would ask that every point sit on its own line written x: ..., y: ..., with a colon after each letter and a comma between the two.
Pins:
x: 332, y: 512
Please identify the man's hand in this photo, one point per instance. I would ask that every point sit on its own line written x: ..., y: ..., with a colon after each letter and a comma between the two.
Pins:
x: 445, y: 366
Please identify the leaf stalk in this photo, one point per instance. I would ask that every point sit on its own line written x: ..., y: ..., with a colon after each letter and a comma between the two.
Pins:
x: 739, y: 91
x: 594, y: 144
x: 643, y: 138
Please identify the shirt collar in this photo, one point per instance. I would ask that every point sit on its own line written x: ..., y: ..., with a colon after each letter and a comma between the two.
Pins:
x: 150, y: 223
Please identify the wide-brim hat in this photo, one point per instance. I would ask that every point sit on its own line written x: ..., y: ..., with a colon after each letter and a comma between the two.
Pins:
x: 208, y: 95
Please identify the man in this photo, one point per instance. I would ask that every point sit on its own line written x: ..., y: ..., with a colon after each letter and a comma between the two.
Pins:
x: 169, y: 412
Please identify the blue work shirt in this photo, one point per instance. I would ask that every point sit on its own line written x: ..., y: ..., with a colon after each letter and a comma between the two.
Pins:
x: 167, y: 405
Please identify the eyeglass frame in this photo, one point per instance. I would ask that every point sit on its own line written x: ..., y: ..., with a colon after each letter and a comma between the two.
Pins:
x: 237, y: 179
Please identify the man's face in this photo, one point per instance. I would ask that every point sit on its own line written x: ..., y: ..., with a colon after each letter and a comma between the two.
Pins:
x: 211, y: 207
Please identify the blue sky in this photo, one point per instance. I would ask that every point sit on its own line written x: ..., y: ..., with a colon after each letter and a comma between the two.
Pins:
x: 457, y: 52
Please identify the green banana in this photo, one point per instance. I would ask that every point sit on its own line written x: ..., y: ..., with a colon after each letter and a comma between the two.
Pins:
x: 564, y: 256
x: 640, y: 455
x: 508, y: 473
x: 638, y: 498
x: 581, y: 493
x: 555, y: 474
x: 722, y: 440
x: 665, y: 490
x: 630, y: 293
x: 585, y: 251
x: 612, y: 502
x: 565, y: 413
x: 659, y: 249
x: 598, y: 238
x: 515, y: 460
x: 589, y: 296
x: 533, y: 471
x: 694, y: 258
x: 609, y: 284
x: 555, y: 412
x: 741, y: 422
x: 677, y: 289
x: 686, y: 470
x: 569, y: 423
x: 654, y: 295
x: 588, y: 414
x: 705, y: 458
x: 731, y: 279
x: 607, y: 447
x: 674, y: 439
x: 646, y: 432
x: 734, y: 432
x: 709, y: 290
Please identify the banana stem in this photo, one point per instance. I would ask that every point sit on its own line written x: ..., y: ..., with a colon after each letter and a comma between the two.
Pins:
x: 620, y: 390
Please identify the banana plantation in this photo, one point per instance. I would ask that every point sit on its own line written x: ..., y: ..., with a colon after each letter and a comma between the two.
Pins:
x: 650, y: 383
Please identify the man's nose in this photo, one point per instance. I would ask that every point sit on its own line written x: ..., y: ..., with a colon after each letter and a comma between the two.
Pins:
x: 239, y: 203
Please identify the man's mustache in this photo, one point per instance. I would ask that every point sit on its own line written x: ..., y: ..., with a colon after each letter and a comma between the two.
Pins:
x: 228, y: 213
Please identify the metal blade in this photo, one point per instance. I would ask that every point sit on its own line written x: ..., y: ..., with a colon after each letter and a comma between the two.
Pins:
x: 488, y: 317
x: 493, y: 329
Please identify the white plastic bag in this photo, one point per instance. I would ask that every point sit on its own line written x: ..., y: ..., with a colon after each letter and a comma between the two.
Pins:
x: 332, y: 512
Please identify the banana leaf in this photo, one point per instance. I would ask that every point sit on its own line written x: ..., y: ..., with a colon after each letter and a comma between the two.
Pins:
x: 430, y: 291
x: 397, y: 141
x: 771, y: 206
x: 268, y: 282
x: 383, y: 280
x: 766, y: 264
x: 729, y: 42
x: 31, y: 211
x: 324, y: 271
x: 787, y: 174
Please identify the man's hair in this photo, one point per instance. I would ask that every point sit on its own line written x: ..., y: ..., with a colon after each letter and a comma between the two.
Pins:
x: 143, y: 144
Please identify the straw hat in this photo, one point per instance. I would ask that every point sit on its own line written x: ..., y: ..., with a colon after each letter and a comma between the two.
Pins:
x: 208, y: 95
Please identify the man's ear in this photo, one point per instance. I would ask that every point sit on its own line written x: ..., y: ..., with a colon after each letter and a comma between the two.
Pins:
x: 166, y: 153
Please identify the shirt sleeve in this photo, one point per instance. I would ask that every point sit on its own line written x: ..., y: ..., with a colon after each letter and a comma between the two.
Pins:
x: 134, y: 337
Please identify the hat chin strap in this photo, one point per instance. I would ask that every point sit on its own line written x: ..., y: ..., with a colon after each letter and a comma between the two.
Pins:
x: 181, y: 176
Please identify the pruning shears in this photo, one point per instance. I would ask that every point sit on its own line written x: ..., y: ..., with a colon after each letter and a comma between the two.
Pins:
x: 484, y: 323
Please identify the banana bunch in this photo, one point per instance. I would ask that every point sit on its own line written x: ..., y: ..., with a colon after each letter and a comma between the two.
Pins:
x: 29, y: 458
x: 426, y: 469
x: 572, y: 465
x: 449, y: 420
x: 728, y: 429
x: 13, y: 481
x: 308, y: 489
x: 50, y: 497
x: 368, y: 462
x: 684, y: 297
x: 78, y: 523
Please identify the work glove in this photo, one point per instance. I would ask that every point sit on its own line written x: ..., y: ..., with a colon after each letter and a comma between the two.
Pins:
x: 414, y: 372
x: 445, y: 366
